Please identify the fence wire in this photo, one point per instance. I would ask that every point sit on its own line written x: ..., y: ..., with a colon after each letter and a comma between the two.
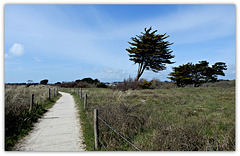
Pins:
x: 118, y: 134
x: 102, y: 144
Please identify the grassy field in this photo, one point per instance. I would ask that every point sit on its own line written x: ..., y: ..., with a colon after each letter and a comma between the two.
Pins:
x: 177, y: 119
x: 18, y: 119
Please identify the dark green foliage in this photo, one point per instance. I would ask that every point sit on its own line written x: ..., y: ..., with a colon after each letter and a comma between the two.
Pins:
x: 197, y: 73
x: 182, y: 75
x: 101, y: 85
x: 45, y: 81
x: 83, y: 83
x: 88, y: 80
x: 147, y: 85
x: 150, y: 51
x: 58, y: 83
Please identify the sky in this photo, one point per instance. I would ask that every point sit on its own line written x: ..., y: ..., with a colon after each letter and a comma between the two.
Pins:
x: 70, y: 42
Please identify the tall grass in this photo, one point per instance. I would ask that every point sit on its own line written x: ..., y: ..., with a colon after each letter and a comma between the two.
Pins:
x: 86, y: 123
x: 18, y: 119
x: 180, y: 119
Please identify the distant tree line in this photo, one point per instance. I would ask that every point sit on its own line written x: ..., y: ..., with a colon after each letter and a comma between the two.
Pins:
x: 83, y: 83
x: 88, y: 80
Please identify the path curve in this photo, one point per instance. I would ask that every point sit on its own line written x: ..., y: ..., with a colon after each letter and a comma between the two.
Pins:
x: 58, y: 130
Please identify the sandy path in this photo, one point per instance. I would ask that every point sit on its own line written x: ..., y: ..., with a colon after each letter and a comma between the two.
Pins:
x: 58, y: 130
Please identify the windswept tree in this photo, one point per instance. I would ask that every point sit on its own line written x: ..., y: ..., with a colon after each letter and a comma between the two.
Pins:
x: 218, y: 70
x: 197, y: 73
x: 150, y: 51
x: 182, y: 74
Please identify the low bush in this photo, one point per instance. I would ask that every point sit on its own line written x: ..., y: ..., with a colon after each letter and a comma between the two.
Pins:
x: 81, y: 85
x: 147, y: 85
x: 129, y: 83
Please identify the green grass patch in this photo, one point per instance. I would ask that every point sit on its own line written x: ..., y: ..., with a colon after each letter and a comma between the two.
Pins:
x: 85, y: 121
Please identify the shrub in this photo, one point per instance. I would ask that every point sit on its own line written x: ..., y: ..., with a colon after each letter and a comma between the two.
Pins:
x: 82, y: 85
x: 68, y: 84
x: 129, y: 83
x: 147, y: 85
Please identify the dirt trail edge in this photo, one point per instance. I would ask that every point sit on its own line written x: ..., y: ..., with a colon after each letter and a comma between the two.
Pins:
x: 58, y: 130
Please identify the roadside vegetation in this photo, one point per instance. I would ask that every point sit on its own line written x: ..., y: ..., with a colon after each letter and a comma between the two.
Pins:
x: 18, y: 119
x: 174, y: 119
x: 85, y: 120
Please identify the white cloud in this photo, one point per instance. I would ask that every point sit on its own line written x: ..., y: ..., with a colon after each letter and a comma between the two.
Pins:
x: 16, y: 50
x: 110, y: 74
x: 37, y: 59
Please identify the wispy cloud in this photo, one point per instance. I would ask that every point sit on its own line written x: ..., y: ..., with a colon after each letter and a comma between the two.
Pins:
x: 16, y: 49
x: 195, y: 24
x: 37, y: 59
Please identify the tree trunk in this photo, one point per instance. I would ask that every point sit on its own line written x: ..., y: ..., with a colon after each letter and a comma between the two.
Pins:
x: 137, y: 77
x: 141, y: 68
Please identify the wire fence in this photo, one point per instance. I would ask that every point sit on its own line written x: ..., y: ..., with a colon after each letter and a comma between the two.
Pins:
x: 89, y: 110
x: 92, y: 110
x: 119, y: 134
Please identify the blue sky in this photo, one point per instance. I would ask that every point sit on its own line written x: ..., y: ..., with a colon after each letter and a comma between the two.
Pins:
x: 70, y: 42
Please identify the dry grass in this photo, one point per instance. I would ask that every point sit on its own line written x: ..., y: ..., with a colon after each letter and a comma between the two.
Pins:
x: 18, y: 119
x: 17, y: 99
x: 181, y: 119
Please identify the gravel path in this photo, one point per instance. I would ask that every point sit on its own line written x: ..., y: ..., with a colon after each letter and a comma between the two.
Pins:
x: 58, y: 130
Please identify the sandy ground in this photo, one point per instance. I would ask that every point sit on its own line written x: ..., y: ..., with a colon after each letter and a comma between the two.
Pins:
x: 58, y: 130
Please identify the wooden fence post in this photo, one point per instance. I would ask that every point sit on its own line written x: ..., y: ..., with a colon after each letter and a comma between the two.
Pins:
x: 49, y: 93
x: 85, y: 102
x: 31, y: 103
x: 96, y: 131
x: 54, y: 92
x: 78, y: 91
x: 81, y: 93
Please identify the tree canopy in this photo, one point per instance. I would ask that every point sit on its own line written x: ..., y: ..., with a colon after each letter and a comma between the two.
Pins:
x: 45, y: 81
x: 150, y: 51
x: 197, y: 73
